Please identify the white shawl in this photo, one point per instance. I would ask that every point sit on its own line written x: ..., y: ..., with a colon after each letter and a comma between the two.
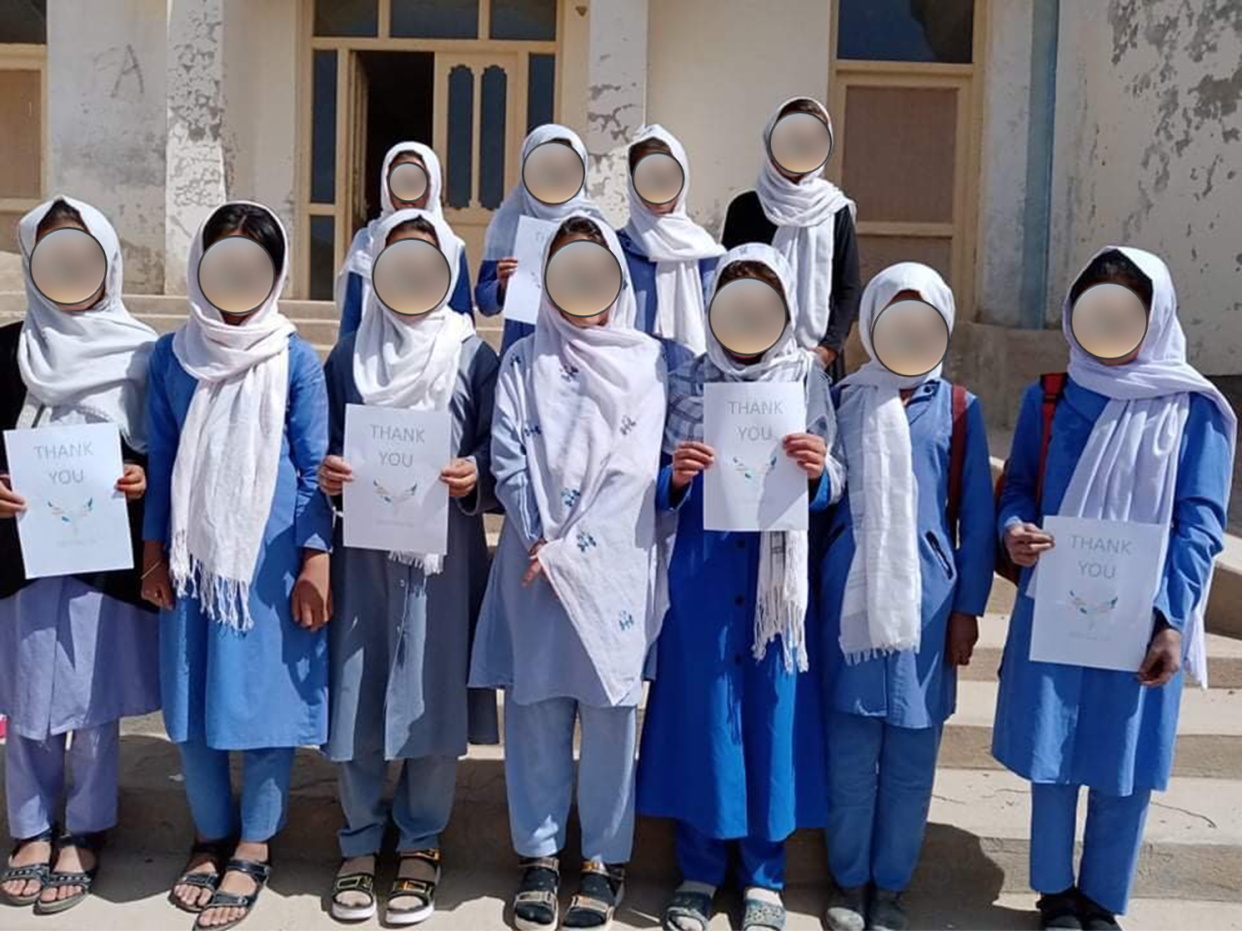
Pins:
x: 1128, y: 470
x: 224, y: 478
x: 675, y: 243
x: 804, y: 213
x: 411, y: 362
x: 881, y: 611
x: 92, y: 363
x: 502, y: 231
x: 597, y: 397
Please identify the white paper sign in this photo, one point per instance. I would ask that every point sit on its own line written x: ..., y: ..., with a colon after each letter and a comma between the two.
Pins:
x: 753, y: 485
x: 1094, y: 592
x: 396, y: 501
x: 75, y: 519
x: 525, y: 289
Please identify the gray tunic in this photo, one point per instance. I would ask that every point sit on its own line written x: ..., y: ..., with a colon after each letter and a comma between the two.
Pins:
x: 400, y: 640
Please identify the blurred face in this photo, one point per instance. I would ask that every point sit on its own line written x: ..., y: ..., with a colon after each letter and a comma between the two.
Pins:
x: 69, y: 268
x: 408, y: 182
x: 411, y: 277
x: 747, y: 317
x: 659, y: 179
x: 909, y: 337
x: 800, y: 144
x: 237, y: 276
x: 553, y: 173
x: 583, y: 281
x: 1109, y: 322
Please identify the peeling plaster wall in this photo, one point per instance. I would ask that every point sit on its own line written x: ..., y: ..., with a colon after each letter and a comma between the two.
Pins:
x: 718, y: 68
x: 106, y: 115
x: 1149, y: 152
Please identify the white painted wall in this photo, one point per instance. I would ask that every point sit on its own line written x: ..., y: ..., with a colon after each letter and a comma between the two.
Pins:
x: 1148, y: 153
x: 716, y: 71
x: 106, y: 115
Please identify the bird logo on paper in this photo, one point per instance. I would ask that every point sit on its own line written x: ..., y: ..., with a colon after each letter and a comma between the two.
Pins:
x: 72, y: 516
x: 395, y: 498
x: 754, y: 473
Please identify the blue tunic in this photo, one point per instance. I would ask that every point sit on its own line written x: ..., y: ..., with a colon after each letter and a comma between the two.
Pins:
x: 642, y: 277
x: 732, y: 746
x: 267, y: 687
x: 918, y: 689
x: 1096, y: 727
x: 351, y: 313
x: 487, y: 297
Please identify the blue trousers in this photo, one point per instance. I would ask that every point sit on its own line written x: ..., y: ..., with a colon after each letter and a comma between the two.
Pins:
x: 34, y: 780
x: 1110, y: 844
x: 539, y: 777
x: 879, y: 791
x: 705, y: 859
x: 264, y: 794
x: 420, y: 807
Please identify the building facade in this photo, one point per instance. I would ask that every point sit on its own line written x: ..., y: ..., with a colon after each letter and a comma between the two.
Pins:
x: 1001, y: 141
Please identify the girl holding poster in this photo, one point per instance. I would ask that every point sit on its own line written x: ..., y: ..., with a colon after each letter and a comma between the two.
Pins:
x: 410, y: 179
x: 728, y: 743
x: 1139, y: 435
x: 237, y: 534
x: 574, y: 599
x: 76, y: 652
x: 902, y: 583
x: 400, y: 638
x: 552, y: 188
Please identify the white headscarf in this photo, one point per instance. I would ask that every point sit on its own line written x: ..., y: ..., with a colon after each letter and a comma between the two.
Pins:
x: 804, y: 212
x: 229, y: 455
x: 502, y: 231
x: 675, y: 243
x: 881, y: 611
x: 1128, y: 470
x: 92, y: 363
x: 593, y: 399
x: 359, y: 259
x: 411, y: 362
x: 783, y: 580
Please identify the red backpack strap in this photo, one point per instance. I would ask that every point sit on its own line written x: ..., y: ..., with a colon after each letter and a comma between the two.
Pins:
x: 1053, y: 385
x: 957, y: 456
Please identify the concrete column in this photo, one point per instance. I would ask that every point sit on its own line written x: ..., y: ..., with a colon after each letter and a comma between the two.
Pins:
x: 617, y: 97
x: 106, y: 116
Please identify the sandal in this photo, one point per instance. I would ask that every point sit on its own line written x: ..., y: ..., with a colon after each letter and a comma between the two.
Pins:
x: 422, y: 891
x: 38, y: 872
x: 537, y: 903
x: 694, y: 906
x: 92, y: 843
x: 217, y: 852
x: 763, y: 915
x: 361, y: 882
x: 600, y: 891
x: 257, y: 871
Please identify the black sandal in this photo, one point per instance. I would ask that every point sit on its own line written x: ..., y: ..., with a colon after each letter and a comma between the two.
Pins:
x: 600, y: 891
x: 257, y: 871
x: 360, y: 881
x: 217, y: 852
x: 1059, y: 910
x: 537, y: 903
x: 91, y: 843
x: 696, y: 906
x: 423, y: 891
x: 38, y: 872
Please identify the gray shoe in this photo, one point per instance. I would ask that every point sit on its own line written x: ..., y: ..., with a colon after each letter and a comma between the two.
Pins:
x: 887, y: 913
x: 847, y: 910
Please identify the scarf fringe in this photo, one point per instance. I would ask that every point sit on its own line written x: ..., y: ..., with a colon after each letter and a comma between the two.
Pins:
x: 225, y: 601
x: 430, y: 564
x: 774, y: 618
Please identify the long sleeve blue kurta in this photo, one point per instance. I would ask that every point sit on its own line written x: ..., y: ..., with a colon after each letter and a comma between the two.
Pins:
x: 642, y: 276
x: 269, y: 686
x: 355, y: 286
x: 490, y: 301
x: 918, y: 689
x: 400, y: 640
x: 731, y: 745
x: 1095, y: 727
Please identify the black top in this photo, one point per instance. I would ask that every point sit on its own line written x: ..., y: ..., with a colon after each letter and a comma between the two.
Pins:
x: 746, y: 222
x: 124, y: 585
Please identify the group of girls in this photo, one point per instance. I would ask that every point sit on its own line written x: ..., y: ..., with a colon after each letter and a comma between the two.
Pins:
x: 798, y: 679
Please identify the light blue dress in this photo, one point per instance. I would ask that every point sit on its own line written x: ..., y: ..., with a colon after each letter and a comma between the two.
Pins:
x: 268, y: 687
x: 1094, y: 727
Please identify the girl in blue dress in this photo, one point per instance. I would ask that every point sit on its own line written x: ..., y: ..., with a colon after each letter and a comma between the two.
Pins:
x: 1142, y: 438
x: 730, y: 746
x: 901, y: 591
x: 237, y: 538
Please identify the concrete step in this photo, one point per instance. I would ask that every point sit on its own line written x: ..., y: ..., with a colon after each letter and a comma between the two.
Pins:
x: 131, y: 889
